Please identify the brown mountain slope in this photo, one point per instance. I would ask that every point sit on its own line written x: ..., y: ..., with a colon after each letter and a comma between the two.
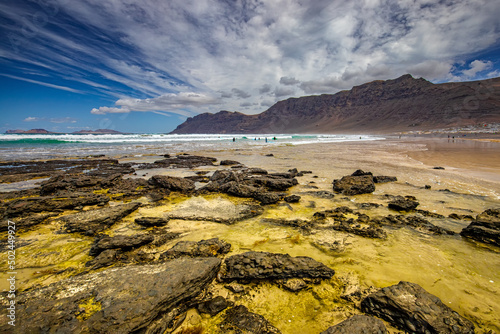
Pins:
x: 380, y: 106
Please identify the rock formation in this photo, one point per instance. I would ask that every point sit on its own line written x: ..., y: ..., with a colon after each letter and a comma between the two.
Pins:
x: 378, y: 106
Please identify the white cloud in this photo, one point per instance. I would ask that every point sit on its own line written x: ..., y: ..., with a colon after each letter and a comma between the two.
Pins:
x: 431, y: 69
x: 33, y: 119
x: 109, y: 110
x: 477, y: 66
x: 174, y: 103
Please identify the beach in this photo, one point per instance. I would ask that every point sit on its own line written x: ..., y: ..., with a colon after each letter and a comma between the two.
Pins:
x: 452, y: 179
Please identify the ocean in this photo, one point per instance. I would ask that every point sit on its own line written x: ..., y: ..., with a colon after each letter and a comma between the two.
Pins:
x: 15, y: 147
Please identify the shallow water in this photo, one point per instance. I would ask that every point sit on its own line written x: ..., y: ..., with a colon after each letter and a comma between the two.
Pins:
x: 463, y: 274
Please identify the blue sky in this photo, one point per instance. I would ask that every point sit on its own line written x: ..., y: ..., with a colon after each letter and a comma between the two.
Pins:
x: 145, y: 66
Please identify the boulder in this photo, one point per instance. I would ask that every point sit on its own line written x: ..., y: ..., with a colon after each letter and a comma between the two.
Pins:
x: 400, y: 203
x: 229, y: 162
x: 486, y: 228
x: 292, y: 199
x: 263, y: 265
x: 240, y: 320
x: 152, y: 221
x: 204, y: 248
x: 358, y: 324
x: 122, y: 242
x: 172, y: 183
x: 409, y: 307
x: 95, y: 303
x: 267, y: 197
x: 354, y: 185
x: 93, y: 221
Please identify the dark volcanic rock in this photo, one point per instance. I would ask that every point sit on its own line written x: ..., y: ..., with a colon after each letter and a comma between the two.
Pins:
x: 213, y: 306
x: 486, y: 228
x: 47, y: 203
x: 204, y: 248
x: 263, y: 265
x: 117, y: 300
x: 93, y: 221
x: 401, y: 203
x: 26, y: 222
x: 123, y: 242
x: 172, y: 183
x: 267, y: 197
x: 152, y: 221
x: 358, y: 324
x: 354, y: 185
x: 105, y: 259
x: 415, y: 222
x: 229, y: 162
x: 180, y: 161
x: 239, y: 320
x: 251, y: 183
x: 292, y: 199
x: 409, y: 307
x: 384, y: 179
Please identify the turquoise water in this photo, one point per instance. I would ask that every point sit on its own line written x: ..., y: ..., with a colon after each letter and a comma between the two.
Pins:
x: 47, y: 146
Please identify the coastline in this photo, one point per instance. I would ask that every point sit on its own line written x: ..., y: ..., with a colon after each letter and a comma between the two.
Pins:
x: 459, y: 272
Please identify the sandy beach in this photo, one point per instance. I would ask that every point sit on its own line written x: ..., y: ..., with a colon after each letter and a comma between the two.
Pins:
x: 463, y: 273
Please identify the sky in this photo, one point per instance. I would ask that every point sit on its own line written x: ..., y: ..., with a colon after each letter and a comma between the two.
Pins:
x: 145, y: 66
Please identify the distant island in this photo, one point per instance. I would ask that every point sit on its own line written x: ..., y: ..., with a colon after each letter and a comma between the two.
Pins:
x: 86, y: 132
x: 381, y: 106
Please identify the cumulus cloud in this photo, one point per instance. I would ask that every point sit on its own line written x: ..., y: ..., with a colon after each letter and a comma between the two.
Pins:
x: 283, y: 91
x: 477, y: 66
x: 288, y: 81
x: 241, y: 94
x: 174, y: 103
x: 266, y: 88
x: 431, y: 69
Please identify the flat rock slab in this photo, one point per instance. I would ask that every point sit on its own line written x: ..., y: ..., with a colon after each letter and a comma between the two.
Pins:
x: 263, y: 265
x: 93, y: 221
x: 218, y: 210
x: 409, y: 307
x: 117, y: 300
x: 22, y: 207
x: 123, y: 242
x: 358, y: 324
x: 204, y: 248
x: 240, y: 320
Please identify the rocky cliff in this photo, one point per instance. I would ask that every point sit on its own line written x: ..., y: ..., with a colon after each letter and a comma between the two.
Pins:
x: 401, y: 104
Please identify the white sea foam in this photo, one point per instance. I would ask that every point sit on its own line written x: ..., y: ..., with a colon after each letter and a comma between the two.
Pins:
x: 42, y: 146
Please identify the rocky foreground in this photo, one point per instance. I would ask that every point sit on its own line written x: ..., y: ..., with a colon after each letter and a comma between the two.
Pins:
x: 132, y: 285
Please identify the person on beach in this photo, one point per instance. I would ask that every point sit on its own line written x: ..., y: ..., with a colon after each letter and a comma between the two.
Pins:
x: 234, y: 139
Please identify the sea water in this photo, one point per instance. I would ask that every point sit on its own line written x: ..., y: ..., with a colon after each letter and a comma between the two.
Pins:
x: 15, y: 147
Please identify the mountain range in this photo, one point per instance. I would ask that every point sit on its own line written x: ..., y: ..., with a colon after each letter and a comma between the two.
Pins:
x: 381, y: 106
